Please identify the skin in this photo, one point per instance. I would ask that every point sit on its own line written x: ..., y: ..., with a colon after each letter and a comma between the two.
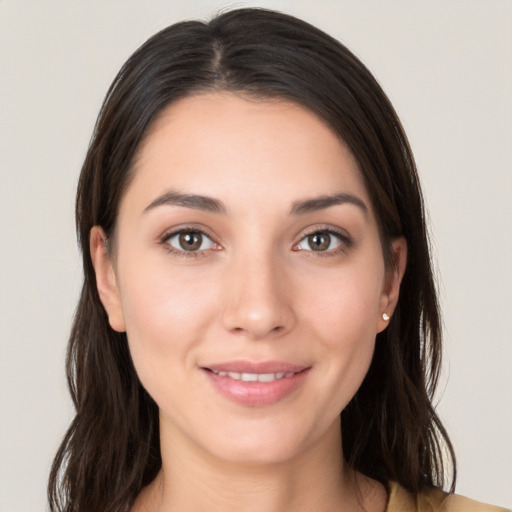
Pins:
x: 254, y: 290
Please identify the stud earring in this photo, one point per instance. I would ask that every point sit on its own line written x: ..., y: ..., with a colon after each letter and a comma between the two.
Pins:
x: 385, y: 317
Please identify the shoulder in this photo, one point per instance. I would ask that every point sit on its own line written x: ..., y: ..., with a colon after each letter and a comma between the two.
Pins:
x: 433, y: 500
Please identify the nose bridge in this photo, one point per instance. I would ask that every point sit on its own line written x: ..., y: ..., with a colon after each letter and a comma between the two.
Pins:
x: 258, y: 302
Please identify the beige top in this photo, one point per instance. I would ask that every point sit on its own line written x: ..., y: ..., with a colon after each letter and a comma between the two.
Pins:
x: 433, y: 500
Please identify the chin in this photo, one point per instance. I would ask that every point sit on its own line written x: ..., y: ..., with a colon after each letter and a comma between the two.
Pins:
x: 251, y: 452
x: 268, y: 442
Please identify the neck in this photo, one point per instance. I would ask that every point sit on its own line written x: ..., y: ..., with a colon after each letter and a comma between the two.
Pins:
x: 316, y: 479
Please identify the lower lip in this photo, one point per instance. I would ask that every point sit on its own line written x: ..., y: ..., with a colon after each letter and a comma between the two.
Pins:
x: 256, y: 394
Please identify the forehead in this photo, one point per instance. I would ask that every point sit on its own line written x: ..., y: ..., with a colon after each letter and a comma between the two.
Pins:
x: 243, y: 150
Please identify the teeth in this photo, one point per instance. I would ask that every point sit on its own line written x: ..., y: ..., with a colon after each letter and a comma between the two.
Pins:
x: 266, y: 377
x: 254, y: 377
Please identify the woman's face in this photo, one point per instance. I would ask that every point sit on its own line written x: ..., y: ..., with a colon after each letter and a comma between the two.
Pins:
x: 248, y: 275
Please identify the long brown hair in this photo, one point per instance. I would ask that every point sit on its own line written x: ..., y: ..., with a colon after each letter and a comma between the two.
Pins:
x: 390, y: 428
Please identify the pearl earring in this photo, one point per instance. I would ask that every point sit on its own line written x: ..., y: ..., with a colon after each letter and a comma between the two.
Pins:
x: 385, y: 317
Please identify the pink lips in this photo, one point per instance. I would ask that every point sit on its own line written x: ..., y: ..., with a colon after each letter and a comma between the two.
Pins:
x: 255, y: 384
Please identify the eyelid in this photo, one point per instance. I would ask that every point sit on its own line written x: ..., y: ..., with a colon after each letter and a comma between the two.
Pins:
x: 199, y: 228
x: 323, y: 228
x: 346, y: 241
x: 177, y: 230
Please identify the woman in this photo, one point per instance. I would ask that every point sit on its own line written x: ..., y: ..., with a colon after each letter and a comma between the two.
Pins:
x: 258, y: 327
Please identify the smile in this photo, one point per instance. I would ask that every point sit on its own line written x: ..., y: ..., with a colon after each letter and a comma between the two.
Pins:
x: 256, y: 384
x: 254, y: 377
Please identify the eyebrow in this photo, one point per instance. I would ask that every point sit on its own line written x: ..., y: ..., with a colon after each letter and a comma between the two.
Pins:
x: 194, y: 201
x: 209, y: 204
x: 322, y: 202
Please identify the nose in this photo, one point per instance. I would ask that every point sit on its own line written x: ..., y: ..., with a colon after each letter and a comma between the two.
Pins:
x: 258, y: 299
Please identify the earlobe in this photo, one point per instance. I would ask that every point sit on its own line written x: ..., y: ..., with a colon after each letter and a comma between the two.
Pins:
x: 106, y: 281
x: 391, y: 290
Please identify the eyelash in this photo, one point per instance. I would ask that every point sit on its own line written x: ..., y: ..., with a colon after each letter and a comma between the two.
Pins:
x: 346, y: 243
x: 182, y: 253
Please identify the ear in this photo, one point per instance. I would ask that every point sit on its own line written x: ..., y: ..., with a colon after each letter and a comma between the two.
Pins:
x: 106, y: 281
x: 391, y: 289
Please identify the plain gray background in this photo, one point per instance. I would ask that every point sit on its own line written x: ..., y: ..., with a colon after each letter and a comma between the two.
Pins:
x: 447, y: 67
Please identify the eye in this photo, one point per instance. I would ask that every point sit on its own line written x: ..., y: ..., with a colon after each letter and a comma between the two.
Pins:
x: 321, y: 241
x: 189, y: 240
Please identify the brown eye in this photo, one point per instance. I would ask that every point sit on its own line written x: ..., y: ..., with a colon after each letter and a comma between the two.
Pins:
x: 190, y: 241
x: 322, y: 241
x: 319, y: 241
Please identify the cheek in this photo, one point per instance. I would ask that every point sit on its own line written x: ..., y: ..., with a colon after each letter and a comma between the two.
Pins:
x: 345, y: 305
x: 345, y: 317
x: 158, y: 296
x: 166, y: 314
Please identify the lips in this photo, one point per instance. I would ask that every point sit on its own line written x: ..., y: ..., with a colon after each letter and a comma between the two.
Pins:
x: 254, y: 377
x: 255, y: 384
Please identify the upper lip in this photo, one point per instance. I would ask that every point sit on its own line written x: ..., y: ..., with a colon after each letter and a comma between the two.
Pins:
x: 256, y: 367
